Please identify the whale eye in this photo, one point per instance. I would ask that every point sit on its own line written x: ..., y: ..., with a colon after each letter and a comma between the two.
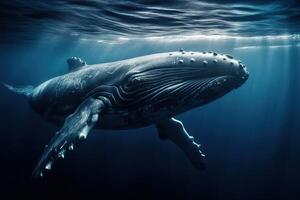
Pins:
x: 135, y: 81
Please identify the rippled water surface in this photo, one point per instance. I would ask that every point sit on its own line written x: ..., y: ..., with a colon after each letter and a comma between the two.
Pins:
x: 144, y: 18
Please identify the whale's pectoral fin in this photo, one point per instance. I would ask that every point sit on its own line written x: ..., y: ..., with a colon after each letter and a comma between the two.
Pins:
x: 76, y: 128
x: 174, y: 130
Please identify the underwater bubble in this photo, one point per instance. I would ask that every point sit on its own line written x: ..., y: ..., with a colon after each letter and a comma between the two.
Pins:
x: 41, y: 174
x: 215, y: 61
x: 192, y: 59
x: 205, y: 62
x: 180, y: 61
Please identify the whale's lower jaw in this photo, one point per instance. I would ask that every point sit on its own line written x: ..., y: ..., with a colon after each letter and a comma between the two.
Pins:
x: 165, y: 102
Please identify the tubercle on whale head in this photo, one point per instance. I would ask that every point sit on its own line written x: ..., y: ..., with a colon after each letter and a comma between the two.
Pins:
x: 214, y: 64
x: 242, y: 73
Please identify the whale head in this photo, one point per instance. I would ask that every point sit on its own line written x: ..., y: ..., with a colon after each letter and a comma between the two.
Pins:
x: 179, y: 81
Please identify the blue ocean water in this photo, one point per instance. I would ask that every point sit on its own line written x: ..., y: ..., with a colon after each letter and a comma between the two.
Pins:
x: 250, y: 136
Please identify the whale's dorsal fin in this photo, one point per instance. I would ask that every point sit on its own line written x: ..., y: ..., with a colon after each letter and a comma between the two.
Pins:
x: 75, y: 63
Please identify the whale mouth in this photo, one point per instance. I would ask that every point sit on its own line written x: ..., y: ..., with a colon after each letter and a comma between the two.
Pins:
x: 214, y: 87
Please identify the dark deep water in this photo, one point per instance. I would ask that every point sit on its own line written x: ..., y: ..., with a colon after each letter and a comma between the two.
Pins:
x: 250, y: 137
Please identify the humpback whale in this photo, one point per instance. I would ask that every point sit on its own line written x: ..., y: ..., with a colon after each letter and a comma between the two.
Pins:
x: 132, y: 93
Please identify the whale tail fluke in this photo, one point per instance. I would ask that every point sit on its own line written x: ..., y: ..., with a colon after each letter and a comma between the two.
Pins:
x: 22, y: 90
